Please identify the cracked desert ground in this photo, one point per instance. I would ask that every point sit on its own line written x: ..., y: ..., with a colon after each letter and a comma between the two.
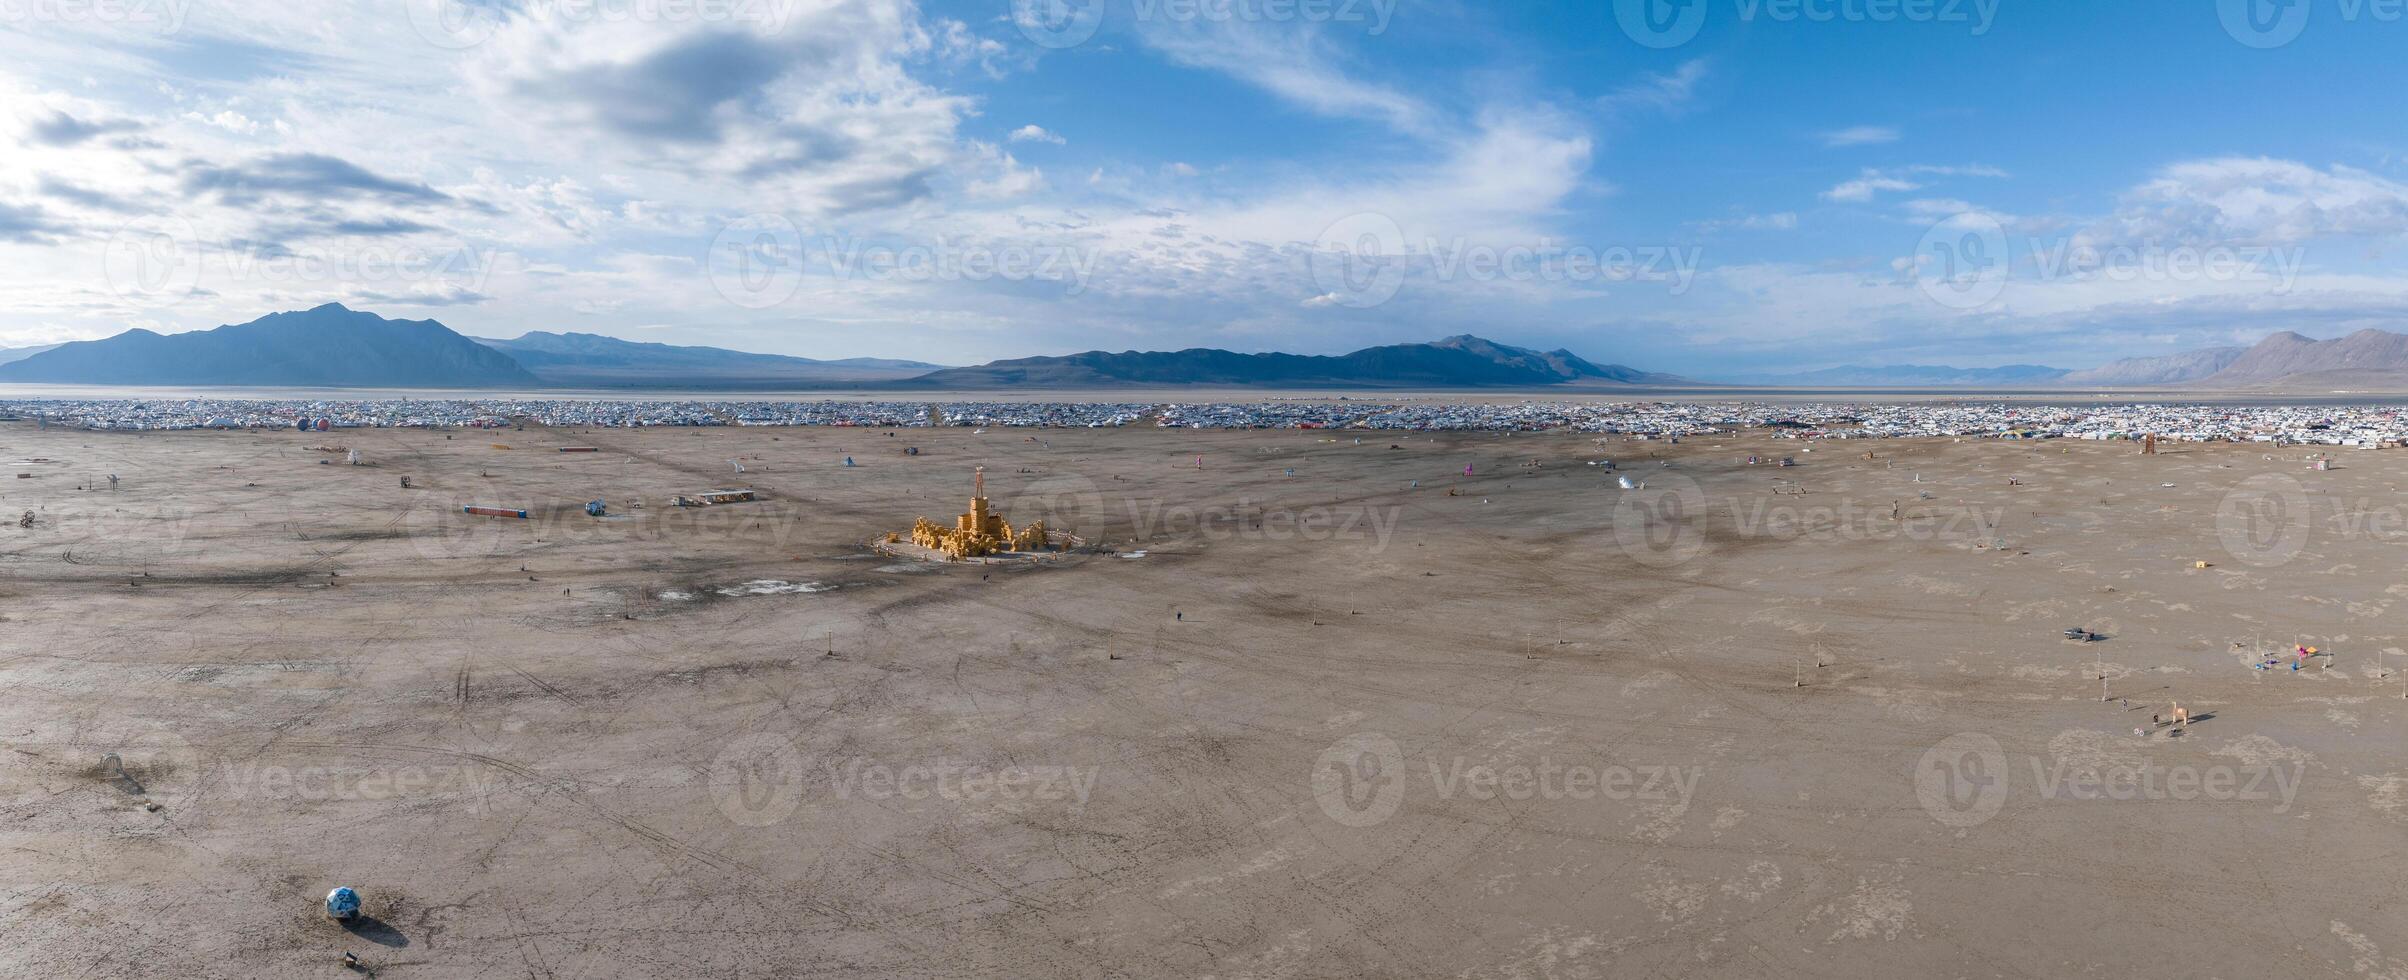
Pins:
x: 1740, y: 722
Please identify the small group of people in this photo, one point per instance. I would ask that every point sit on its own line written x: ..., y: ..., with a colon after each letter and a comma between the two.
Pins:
x: 2300, y: 655
x: 2180, y: 719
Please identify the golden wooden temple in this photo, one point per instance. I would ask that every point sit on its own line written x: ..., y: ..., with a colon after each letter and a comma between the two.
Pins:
x: 977, y: 534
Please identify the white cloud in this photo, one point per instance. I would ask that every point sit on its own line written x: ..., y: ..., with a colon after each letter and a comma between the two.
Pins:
x: 1287, y: 60
x: 1667, y: 94
x: 228, y: 120
x: 1866, y: 185
x: 1006, y: 178
x: 598, y: 165
x: 597, y: 158
x: 1872, y: 181
x: 2198, y: 247
x: 1777, y: 221
x: 2257, y: 200
x: 1859, y: 136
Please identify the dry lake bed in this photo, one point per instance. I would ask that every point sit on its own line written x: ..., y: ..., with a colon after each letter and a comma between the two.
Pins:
x: 1321, y: 705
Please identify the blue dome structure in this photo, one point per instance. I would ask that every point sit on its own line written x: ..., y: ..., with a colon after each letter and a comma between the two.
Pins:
x: 342, y: 904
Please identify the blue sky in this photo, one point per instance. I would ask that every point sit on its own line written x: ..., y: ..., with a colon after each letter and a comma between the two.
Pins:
x: 1761, y: 186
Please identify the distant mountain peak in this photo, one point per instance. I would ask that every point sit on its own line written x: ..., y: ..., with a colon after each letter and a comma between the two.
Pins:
x: 1460, y: 361
x: 588, y: 360
x: 2164, y: 369
x: 2367, y: 357
x: 328, y: 345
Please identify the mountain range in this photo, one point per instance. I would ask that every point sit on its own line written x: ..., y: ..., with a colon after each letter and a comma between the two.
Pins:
x: 333, y: 346
x: 2366, y: 359
x: 2167, y: 369
x: 9, y: 354
x: 2189, y: 367
x: 1455, y: 362
x: 584, y: 360
x: 1908, y: 376
x: 327, y: 346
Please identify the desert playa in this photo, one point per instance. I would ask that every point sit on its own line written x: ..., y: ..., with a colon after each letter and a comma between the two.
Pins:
x: 1302, y: 704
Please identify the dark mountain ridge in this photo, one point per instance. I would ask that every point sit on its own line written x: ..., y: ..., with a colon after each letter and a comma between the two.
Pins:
x: 329, y: 346
x: 584, y: 360
x: 1456, y: 362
